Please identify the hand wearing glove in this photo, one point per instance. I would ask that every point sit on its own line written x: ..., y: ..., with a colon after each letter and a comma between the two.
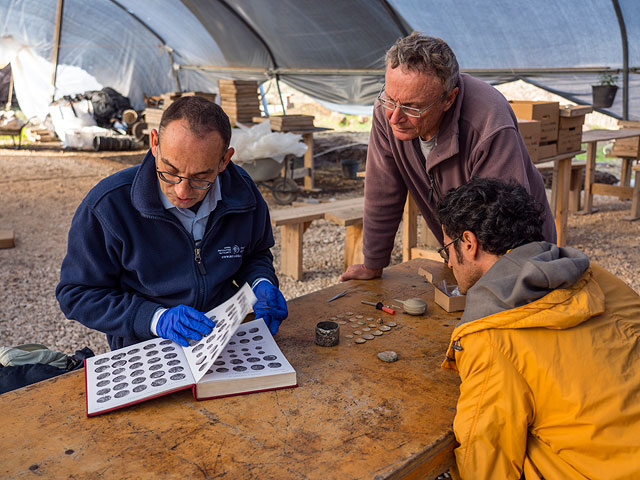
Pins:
x: 271, y: 305
x: 183, y: 323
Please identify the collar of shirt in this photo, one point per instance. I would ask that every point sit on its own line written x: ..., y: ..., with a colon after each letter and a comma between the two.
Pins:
x: 195, y: 223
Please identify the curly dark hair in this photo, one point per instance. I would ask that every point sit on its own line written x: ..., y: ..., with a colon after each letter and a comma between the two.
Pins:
x: 203, y: 116
x: 502, y: 215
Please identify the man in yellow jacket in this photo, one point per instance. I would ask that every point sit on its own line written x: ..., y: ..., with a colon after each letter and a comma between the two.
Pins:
x: 548, y: 347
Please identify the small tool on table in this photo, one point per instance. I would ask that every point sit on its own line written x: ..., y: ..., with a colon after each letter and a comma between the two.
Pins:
x: 341, y: 294
x: 380, y: 306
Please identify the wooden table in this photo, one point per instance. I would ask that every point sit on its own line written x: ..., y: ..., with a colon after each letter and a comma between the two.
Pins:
x: 307, y: 172
x: 591, y: 138
x: 352, y: 416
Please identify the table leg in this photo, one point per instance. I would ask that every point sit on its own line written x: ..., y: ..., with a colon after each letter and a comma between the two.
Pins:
x: 625, y: 173
x: 589, y: 176
x: 409, y: 228
x: 291, y: 250
x: 562, y: 199
x: 353, y: 246
x: 309, y: 178
x: 635, y: 199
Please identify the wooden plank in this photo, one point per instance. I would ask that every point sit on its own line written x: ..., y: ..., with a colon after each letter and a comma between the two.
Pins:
x: 589, y: 175
x: 635, y: 200
x: 352, y: 416
x: 612, y: 190
x: 285, y: 216
x: 410, y: 228
x: 291, y: 250
x: 562, y: 199
x: 575, y: 110
x: 353, y: 246
x: 346, y: 216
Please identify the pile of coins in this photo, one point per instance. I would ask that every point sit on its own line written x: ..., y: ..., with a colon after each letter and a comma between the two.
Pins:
x: 364, y: 329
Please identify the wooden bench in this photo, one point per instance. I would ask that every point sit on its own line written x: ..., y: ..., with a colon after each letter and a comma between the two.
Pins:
x: 13, y: 133
x: 576, y: 183
x: 295, y: 221
x: 635, y: 197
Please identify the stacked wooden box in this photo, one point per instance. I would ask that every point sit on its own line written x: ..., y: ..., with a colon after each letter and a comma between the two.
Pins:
x: 288, y: 123
x: 530, y: 132
x: 560, y: 126
x: 547, y: 114
x: 627, y: 147
x: 570, y: 127
x: 239, y: 99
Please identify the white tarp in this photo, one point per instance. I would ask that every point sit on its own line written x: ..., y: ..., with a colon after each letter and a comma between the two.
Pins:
x: 331, y: 50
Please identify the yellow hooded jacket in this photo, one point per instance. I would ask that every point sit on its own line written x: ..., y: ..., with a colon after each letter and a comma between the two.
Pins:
x: 550, y: 387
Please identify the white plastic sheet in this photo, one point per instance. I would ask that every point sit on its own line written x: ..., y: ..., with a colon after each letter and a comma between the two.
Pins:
x: 260, y: 142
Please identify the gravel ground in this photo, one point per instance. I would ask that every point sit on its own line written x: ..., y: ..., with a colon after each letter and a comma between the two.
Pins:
x: 39, y: 194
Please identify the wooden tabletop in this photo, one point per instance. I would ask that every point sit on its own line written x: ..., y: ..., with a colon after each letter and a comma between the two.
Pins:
x: 352, y: 415
x: 602, y: 135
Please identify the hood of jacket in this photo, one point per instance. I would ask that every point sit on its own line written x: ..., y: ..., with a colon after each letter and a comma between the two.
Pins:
x: 524, y: 275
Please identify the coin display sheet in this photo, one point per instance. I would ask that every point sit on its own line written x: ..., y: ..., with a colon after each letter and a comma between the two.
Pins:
x: 160, y: 366
x: 251, y: 352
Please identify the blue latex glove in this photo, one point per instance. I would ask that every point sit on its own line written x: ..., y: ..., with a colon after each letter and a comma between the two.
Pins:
x: 183, y: 323
x: 271, y: 305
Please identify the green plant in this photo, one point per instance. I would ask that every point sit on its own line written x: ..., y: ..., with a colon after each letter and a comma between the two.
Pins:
x: 608, y: 79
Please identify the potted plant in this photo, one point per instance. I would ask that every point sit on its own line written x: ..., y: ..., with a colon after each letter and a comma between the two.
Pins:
x: 605, y: 92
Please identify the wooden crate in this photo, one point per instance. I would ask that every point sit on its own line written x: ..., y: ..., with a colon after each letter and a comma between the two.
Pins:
x: 627, y: 147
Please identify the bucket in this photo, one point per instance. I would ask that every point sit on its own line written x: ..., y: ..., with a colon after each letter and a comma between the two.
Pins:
x: 350, y: 168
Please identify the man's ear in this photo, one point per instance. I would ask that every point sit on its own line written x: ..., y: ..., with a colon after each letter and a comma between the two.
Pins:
x: 154, y: 142
x: 450, y: 98
x: 226, y: 159
x: 469, y: 245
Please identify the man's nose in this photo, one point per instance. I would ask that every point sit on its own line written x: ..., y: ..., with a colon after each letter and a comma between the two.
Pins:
x: 396, y: 115
x: 183, y: 189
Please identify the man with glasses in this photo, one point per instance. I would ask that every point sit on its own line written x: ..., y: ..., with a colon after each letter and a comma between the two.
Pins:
x: 433, y: 129
x: 548, y: 346
x: 155, y: 245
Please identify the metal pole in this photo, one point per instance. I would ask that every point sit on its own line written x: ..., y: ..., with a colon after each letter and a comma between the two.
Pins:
x: 625, y: 60
x: 56, y: 46
x: 7, y: 107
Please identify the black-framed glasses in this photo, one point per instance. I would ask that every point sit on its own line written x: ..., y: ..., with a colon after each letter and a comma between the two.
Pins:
x: 408, y: 111
x: 173, y: 179
x: 444, y: 250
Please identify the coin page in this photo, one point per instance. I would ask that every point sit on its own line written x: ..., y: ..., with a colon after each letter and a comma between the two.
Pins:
x: 228, y: 316
x: 135, y: 373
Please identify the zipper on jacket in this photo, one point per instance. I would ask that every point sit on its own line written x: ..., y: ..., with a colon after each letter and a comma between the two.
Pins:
x: 456, y: 346
x: 433, y: 189
x: 198, y: 259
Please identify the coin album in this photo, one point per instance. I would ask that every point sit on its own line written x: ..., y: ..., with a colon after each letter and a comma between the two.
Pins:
x: 235, y: 358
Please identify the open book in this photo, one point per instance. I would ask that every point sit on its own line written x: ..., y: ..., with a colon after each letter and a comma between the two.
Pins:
x: 233, y: 359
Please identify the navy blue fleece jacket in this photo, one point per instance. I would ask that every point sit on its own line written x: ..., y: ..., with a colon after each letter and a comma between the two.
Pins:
x: 127, y: 255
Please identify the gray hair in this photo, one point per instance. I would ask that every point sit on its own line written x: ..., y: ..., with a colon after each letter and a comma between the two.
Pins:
x: 421, y: 53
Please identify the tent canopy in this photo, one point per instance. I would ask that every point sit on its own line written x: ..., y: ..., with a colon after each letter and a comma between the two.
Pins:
x: 332, y: 50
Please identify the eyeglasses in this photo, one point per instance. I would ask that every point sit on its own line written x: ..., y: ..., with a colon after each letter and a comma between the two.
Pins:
x: 444, y: 250
x: 173, y: 179
x: 408, y: 111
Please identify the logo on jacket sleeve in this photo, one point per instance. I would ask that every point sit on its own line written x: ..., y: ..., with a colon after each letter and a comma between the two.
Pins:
x: 234, y: 251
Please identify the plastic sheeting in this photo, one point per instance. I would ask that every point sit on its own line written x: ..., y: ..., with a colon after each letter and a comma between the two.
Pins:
x: 332, y: 50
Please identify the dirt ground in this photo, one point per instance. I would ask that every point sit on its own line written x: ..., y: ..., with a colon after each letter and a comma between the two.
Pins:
x: 39, y: 193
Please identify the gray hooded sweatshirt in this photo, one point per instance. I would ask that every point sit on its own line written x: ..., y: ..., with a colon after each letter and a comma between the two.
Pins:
x: 523, y: 275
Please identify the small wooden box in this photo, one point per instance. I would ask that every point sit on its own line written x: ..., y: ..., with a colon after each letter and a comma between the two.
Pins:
x: 547, y: 150
x: 436, y: 274
x: 569, y: 139
x: 545, y: 112
x: 530, y: 132
x: 627, y: 147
